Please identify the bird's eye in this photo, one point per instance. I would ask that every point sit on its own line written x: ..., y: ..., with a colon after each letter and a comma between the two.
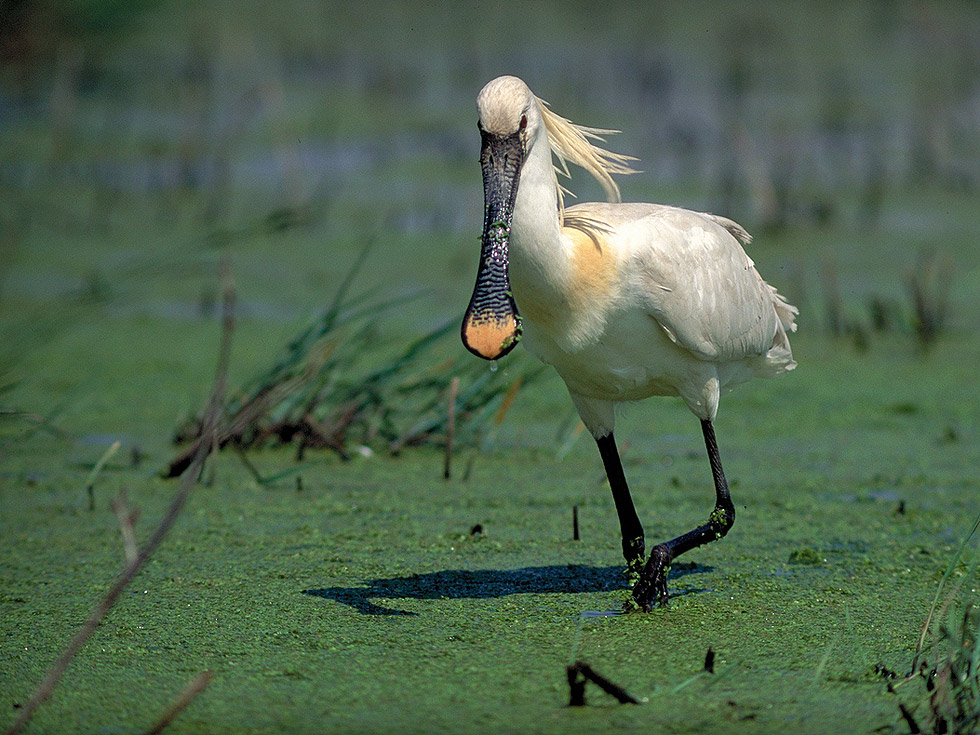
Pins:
x: 523, y: 121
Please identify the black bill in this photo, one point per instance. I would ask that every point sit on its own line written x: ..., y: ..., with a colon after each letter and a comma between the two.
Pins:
x: 492, y: 326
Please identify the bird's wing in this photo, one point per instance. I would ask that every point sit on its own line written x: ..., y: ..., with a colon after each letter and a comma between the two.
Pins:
x: 691, y: 274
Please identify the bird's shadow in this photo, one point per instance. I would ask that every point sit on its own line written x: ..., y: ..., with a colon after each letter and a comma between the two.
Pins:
x: 483, y: 583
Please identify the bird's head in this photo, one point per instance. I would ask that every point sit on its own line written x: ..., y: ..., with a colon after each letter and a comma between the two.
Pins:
x: 506, y: 107
x: 509, y: 121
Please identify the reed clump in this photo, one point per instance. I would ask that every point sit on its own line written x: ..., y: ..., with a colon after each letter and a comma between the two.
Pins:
x: 946, y: 666
x: 323, y: 393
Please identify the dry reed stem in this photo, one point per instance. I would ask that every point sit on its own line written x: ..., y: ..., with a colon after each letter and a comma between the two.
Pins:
x: 96, y: 470
x: 187, y: 695
x: 127, y: 520
x: 98, y: 613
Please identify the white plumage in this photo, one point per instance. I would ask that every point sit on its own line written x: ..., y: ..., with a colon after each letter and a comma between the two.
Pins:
x: 626, y: 301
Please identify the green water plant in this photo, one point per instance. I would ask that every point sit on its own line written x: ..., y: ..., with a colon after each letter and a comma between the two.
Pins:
x: 326, y: 390
x: 947, y: 659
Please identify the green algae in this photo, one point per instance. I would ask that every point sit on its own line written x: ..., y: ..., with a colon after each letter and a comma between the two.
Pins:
x: 363, y: 602
x: 359, y: 600
x: 805, y: 556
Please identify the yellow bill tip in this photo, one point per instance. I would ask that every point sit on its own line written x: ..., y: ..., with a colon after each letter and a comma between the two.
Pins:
x: 491, y: 337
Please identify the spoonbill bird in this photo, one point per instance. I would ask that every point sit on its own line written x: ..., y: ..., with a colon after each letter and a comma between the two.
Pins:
x: 624, y: 300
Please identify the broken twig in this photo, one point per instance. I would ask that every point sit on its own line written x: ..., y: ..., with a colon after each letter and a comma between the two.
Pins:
x: 580, y: 672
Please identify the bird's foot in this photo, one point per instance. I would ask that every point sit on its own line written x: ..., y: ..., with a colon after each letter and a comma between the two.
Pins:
x: 651, y: 589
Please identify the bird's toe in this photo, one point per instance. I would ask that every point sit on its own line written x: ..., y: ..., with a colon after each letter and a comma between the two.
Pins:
x: 651, y: 588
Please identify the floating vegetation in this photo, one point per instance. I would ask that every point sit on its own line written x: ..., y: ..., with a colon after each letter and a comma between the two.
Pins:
x: 322, y: 392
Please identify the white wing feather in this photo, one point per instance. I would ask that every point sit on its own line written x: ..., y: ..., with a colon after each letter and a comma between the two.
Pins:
x: 696, y: 281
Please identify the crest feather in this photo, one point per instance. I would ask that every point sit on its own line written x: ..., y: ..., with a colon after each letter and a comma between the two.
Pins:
x: 573, y: 143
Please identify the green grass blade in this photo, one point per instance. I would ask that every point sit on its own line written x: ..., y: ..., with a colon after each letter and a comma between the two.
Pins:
x: 942, y: 583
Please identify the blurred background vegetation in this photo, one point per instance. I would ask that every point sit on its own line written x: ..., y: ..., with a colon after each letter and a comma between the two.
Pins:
x: 140, y: 141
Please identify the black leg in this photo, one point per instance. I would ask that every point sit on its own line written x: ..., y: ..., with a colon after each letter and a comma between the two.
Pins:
x: 652, y: 587
x: 629, y: 522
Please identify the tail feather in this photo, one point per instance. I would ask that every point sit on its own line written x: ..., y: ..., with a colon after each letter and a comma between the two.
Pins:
x: 780, y: 356
x: 784, y: 310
